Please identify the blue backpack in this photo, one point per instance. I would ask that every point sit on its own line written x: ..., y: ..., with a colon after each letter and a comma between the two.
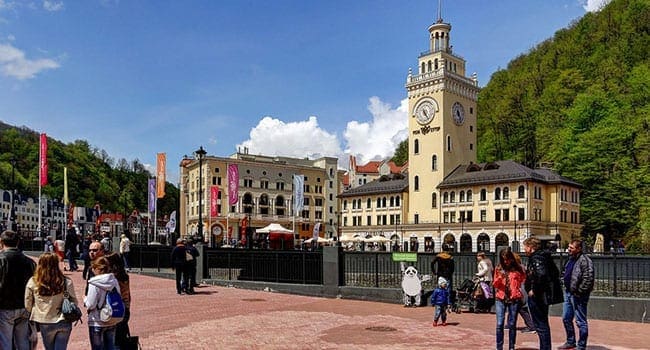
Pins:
x: 113, y: 309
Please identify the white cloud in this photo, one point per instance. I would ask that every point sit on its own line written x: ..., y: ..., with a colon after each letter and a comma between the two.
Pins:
x: 376, y: 139
x: 52, y: 6
x: 295, y: 139
x: 13, y: 63
x: 594, y: 5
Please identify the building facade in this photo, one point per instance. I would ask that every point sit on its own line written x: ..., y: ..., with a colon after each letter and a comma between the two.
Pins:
x: 264, y: 196
x: 452, y: 202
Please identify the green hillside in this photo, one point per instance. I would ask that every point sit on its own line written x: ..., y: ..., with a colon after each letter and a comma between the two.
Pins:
x: 579, y: 103
x: 93, y: 177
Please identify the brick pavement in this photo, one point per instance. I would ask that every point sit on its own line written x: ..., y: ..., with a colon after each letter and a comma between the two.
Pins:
x: 230, y: 318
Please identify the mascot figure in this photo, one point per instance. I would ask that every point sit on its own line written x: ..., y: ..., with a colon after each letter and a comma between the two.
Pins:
x: 412, y: 286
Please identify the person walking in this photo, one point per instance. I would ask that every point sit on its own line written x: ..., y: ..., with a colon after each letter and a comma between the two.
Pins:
x: 440, y: 300
x: 125, y: 249
x: 523, y: 305
x: 122, y: 331
x: 541, y: 282
x: 508, y: 278
x: 485, y: 268
x: 44, y: 295
x: 71, y: 245
x: 190, y: 283
x: 15, y: 270
x: 179, y: 263
x: 578, y: 284
x: 443, y: 266
x: 102, y: 334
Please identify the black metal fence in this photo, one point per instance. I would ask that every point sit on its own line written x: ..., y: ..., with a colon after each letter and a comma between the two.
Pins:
x: 615, y: 275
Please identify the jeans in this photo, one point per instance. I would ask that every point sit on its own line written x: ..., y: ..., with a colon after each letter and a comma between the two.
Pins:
x: 575, y: 306
x: 125, y: 257
x: 14, y: 329
x: 102, y: 338
x: 441, y: 313
x: 539, y: 311
x: 181, y: 275
x: 122, y: 329
x: 513, y: 310
x: 56, y: 335
x: 72, y: 263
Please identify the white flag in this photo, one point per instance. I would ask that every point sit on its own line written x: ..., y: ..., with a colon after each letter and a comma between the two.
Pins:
x: 298, y: 188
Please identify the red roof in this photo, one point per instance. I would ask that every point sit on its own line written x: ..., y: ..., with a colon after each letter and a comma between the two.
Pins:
x: 370, y: 167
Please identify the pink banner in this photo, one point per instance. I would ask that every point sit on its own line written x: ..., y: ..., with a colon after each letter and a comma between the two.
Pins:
x: 233, y: 184
x: 214, y: 193
x: 43, y: 160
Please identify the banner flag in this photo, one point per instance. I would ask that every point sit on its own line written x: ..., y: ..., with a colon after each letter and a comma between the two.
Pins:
x: 161, y: 173
x: 298, y: 188
x: 171, y: 224
x: 316, y: 230
x: 152, y: 195
x: 65, y: 186
x: 233, y: 184
x: 43, y: 160
x: 214, y: 193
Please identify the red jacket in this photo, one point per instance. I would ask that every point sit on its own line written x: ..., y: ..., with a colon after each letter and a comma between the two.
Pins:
x: 516, y: 279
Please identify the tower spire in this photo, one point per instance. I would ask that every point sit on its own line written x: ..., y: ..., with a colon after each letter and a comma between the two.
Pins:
x: 439, y: 19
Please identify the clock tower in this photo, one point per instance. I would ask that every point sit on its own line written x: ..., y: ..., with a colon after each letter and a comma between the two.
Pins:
x: 442, y: 122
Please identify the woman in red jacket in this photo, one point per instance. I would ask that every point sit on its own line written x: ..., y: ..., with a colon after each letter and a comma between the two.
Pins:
x: 508, y: 278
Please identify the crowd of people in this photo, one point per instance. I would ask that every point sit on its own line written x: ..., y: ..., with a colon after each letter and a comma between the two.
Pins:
x: 527, y: 291
x: 32, y: 295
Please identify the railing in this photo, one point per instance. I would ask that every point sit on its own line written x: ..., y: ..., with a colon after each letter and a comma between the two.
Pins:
x: 264, y: 265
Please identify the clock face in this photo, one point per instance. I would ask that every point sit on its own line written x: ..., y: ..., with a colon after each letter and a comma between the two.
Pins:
x: 425, y: 112
x: 458, y: 113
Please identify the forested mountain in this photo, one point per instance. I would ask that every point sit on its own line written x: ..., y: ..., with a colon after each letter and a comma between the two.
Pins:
x: 579, y: 103
x: 93, y: 177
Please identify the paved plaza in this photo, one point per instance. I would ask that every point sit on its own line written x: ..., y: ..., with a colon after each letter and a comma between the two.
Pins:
x: 231, y: 318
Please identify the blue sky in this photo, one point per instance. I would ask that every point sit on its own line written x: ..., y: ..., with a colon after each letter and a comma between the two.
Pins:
x: 295, y: 78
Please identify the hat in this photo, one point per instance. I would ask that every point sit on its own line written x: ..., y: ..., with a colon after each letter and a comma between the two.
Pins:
x: 442, y: 281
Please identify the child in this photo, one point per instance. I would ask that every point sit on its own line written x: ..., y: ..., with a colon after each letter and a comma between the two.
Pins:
x: 440, y: 299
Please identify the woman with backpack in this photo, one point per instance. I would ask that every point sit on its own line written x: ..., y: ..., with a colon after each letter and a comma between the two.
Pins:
x: 44, y: 295
x: 101, y: 329
x: 117, y: 266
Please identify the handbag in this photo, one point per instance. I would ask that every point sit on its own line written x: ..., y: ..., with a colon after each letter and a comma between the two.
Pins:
x: 70, y: 310
x: 132, y: 342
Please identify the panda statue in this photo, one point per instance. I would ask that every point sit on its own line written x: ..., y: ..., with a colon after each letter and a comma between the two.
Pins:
x: 412, y: 286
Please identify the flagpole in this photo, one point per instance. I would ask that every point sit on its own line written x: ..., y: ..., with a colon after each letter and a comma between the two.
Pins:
x: 40, y: 176
x: 155, y: 213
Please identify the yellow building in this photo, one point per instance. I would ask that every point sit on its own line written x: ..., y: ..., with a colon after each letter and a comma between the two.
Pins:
x: 264, y: 196
x: 451, y: 202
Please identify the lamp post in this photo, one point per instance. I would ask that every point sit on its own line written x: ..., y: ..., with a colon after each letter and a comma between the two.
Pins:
x: 12, y: 213
x: 200, y: 153
x: 515, y: 242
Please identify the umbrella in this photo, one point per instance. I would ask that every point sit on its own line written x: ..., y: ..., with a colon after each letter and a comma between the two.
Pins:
x: 377, y: 239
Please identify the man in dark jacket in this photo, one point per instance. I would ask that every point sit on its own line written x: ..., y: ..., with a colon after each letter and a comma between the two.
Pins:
x: 443, y: 266
x: 15, y: 271
x: 537, y: 283
x: 179, y: 263
x: 71, y: 243
x: 578, y: 283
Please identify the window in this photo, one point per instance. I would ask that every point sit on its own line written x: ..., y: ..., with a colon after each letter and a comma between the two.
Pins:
x: 264, y: 184
x: 483, y: 197
x: 383, y: 202
x: 434, y: 200
x: 392, y: 201
x: 497, y: 214
x: 434, y: 162
x: 448, y: 143
x: 416, y: 218
x: 506, y: 193
x: 497, y: 194
x: 378, y: 203
x: 445, y: 197
x: 318, y: 202
x: 248, y: 182
x: 345, y: 205
x: 416, y: 183
x: 452, y: 197
x: 469, y: 195
x: 305, y: 201
x: 506, y: 214
x: 368, y: 203
x: 368, y: 220
x: 445, y: 217
x: 416, y: 146
x: 397, y: 201
x: 461, y: 196
x: 521, y: 192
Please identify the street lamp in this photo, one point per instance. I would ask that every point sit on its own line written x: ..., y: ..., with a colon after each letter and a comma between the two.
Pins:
x: 12, y: 213
x: 200, y: 153
x: 515, y: 242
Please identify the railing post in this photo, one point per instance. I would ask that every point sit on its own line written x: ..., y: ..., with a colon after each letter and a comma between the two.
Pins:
x: 615, y: 276
x: 376, y: 270
x: 229, y: 266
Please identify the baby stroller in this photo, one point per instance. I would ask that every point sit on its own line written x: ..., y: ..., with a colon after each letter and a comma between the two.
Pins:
x: 471, y: 296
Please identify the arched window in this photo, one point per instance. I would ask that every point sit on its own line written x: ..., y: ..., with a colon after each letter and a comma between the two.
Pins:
x: 506, y: 193
x: 469, y: 195
x: 497, y: 194
x: 392, y: 201
x: 383, y: 202
x: 445, y: 197
x: 434, y: 200
x: 397, y: 201
x: 429, y: 66
x: 422, y: 72
x: 368, y: 203
x: 452, y: 197
x: 416, y: 146
x: 378, y: 203
x: 483, y: 195
x: 461, y: 196
x: 521, y: 192
x: 434, y: 162
x: 435, y: 64
x: 416, y: 183
x: 345, y: 205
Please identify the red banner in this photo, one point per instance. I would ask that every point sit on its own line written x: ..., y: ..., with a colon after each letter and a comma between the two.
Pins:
x: 214, y: 193
x: 43, y: 160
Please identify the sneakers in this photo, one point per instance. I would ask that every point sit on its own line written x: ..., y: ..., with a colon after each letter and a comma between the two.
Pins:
x: 527, y: 330
x: 435, y: 323
x: 567, y: 346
